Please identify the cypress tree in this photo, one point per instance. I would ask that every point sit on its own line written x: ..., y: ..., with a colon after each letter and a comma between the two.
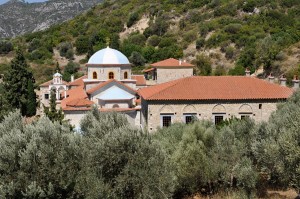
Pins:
x: 16, y: 83
x: 31, y: 100
x: 4, y: 105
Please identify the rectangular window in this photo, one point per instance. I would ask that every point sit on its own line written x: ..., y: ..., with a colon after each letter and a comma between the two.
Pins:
x: 46, y: 96
x: 166, y: 120
x: 244, y: 117
x: 188, y: 119
x: 218, y: 119
x: 260, y: 106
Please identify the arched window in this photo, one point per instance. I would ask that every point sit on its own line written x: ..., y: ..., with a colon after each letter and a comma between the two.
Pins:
x: 125, y: 75
x: 95, y: 75
x: 115, y: 106
x: 111, y: 75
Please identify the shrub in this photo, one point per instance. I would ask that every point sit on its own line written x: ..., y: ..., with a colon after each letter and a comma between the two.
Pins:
x: 133, y: 17
x: 203, y: 65
x: 229, y: 52
x: 5, y: 47
x: 82, y: 44
x: 137, y: 39
x: 137, y: 59
x: 190, y: 36
x: 200, y: 43
x: 154, y: 40
x: 64, y: 48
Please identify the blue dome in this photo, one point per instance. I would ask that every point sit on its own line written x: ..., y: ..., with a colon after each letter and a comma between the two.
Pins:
x: 108, y: 56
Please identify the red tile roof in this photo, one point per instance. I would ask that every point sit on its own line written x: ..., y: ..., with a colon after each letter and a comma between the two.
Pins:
x: 172, y: 63
x: 78, y: 82
x: 100, y: 85
x: 80, y: 103
x: 74, y: 94
x: 140, y: 80
x: 215, y: 88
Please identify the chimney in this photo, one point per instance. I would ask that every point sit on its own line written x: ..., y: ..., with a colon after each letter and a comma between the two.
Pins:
x: 72, y: 78
x: 282, y: 80
x: 248, y: 72
x: 295, y: 82
x: 271, y: 78
x: 180, y: 62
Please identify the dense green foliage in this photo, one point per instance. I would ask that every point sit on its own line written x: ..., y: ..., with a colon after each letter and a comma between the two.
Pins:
x: 110, y: 159
x: 5, y: 47
x: 251, y: 33
x: 19, y: 86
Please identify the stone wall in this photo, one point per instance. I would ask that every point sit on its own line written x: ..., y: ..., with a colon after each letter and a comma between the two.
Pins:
x: 257, y: 110
x: 168, y: 74
x: 74, y: 117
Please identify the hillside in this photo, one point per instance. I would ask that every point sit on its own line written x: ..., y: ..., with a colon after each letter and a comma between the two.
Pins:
x: 17, y: 17
x: 227, y: 35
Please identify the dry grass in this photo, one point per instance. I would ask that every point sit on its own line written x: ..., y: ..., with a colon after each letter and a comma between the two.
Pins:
x: 139, y: 26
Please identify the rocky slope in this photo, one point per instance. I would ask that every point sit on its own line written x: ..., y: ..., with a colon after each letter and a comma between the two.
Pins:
x: 17, y: 17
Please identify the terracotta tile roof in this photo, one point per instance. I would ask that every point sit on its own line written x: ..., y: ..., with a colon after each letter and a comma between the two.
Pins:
x: 78, y: 81
x: 140, y: 80
x: 172, y: 63
x: 100, y: 85
x: 215, y: 88
x: 46, y: 84
x: 70, y: 108
x: 74, y: 94
x: 80, y: 103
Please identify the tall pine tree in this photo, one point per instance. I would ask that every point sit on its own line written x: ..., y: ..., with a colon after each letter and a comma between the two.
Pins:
x: 31, y: 100
x: 16, y: 83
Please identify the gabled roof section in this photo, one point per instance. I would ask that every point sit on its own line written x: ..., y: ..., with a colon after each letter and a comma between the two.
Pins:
x: 80, y: 103
x: 78, y: 81
x: 171, y: 62
x: 216, y: 88
x: 115, y: 93
x: 140, y: 80
x: 74, y: 94
x: 101, y: 85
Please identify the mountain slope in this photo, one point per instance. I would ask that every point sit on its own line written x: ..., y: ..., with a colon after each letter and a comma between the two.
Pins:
x: 227, y: 35
x: 17, y: 17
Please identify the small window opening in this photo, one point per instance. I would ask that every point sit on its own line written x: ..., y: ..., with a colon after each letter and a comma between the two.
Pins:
x: 95, y: 75
x: 111, y: 75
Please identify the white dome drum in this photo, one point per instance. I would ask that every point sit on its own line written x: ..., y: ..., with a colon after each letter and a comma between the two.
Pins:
x: 108, y: 56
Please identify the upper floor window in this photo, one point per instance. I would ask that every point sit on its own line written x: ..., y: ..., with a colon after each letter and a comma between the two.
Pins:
x: 125, y: 75
x: 111, y: 75
x: 95, y: 75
